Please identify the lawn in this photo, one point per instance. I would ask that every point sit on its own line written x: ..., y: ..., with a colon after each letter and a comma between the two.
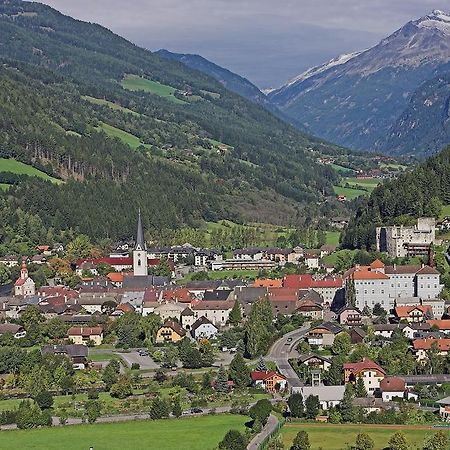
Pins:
x: 4, y: 187
x: 96, y: 357
x: 199, y: 433
x: 13, y: 166
x: 115, y: 106
x: 127, y: 138
x: 368, y: 183
x: 338, y: 437
x: 135, y: 83
x: 333, y: 237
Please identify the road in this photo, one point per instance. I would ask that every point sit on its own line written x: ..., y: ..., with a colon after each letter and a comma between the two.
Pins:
x: 269, y: 427
x: 284, y: 349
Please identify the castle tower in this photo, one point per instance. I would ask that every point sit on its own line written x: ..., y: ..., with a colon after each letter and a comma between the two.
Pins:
x: 24, y: 271
x: 140, y: 262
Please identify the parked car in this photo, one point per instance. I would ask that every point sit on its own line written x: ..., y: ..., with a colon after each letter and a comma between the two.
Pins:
x: 196, y: 410
x: 143, y: 352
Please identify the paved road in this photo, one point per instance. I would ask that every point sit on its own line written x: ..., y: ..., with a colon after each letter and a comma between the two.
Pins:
x: 269, y: 428
x: 283, y: 349
x: 145, y: 362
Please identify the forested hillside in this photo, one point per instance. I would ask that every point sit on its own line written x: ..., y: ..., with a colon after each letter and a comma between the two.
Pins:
x: 421, y: 192
x: 125, y: 128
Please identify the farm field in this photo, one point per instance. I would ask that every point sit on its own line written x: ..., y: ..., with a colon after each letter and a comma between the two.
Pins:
x: 199, y: 433
x: 128, y: 138
x: 17, y: 167
x: 101, y: 102
x: 342, y: 169
x: 341, y: 437
x: 445, y: 212
x: 135, y: 83
x: 368, y: 183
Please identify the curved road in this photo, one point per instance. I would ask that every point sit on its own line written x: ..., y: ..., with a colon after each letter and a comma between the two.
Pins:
x: 284, y: 349
x: 269, y: 427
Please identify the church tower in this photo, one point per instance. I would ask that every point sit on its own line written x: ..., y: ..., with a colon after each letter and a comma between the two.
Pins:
x: 140, y: 262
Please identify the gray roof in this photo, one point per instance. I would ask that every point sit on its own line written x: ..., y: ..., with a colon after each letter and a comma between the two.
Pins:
x: 187, y: 312
x: 142, y: 282
x: 12, y: 328
x: 201, y: 321
x: 325, y: 393
x: 73, y: 350
x: 332, y: 327
x: 249, y: 294
x: 307, y: 356
x: 220, y: 295
x: 140, y: 241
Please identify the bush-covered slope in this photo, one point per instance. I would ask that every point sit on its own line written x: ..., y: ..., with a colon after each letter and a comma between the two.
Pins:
x: 421, y: 192
x: 71, y: 74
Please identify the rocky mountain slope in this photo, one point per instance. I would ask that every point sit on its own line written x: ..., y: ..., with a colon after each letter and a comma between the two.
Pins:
x: 358, y: 100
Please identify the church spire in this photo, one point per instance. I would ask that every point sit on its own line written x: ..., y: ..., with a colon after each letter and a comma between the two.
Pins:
x: 140, y: 241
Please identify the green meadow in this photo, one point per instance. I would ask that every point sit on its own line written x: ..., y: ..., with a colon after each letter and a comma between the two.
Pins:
x: 115, y: 106
x: 135, y: 83
x: 127, y: 138
x: 19, y: 168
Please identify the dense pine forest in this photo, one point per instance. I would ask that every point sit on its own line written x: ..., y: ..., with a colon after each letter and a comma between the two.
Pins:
x: 205, y: 155
x: 421, y: 192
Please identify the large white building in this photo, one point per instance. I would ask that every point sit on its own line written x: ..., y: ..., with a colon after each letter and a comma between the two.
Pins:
x: 401, y: 241
x: 382, y: 284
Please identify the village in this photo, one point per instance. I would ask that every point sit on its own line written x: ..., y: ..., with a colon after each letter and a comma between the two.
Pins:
x: 363, y: 344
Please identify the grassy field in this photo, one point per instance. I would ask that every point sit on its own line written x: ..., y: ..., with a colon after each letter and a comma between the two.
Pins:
x: 128, y: 138
x: 199, y: 433
x: 340, y: 437
x: 368, y: 183
x: 4, y: 187
x: 115, y: 106
x: 333, y: 237
x: 341, y: 169
x: 135, y: 83
x: 350, y: 193
x: 13, y: 166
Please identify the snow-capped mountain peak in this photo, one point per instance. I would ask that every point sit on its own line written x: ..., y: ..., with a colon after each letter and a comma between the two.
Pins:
x: 339, y: 60
x: 437, y: 19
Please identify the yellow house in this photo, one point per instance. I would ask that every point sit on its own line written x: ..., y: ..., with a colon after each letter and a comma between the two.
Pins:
x: 171, y: 331
x: 84, y: 335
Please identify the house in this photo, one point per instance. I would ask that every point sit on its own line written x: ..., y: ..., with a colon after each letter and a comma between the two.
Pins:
x: 385, y: 330
x: 421, y: 347
x: 216, y: 312
x: 268, y: 283
x: 86, y: 335
x: 202, y: 328
x: 314, y: 361
x: 10, y: 260
x: 312, y: 259
x: 24, y: 285
x: 77, y: 353
x: 444, y: 409
x: 349, y: 315
x: 11, y: 328
x: 441, y: 325
x: 357, y: 335
x: 413, y: 330
x: 368, y: 370
x: 339, y: 222
x: 169, y: 310
x: 413, y: 314
x: 310, y: 309
x: 323, y: 335
x: 187, y: 318
x: 392, y: 387
x: 270, y: 381
x: 171, y: 331
x: 329, y: 396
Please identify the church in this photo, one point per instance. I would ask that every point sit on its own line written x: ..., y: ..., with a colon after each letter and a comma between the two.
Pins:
x: 140, y: 258
x: 24, y: 286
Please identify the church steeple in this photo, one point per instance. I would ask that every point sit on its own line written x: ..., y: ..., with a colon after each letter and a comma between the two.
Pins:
x: 140, y: 241
x: 140, y: 262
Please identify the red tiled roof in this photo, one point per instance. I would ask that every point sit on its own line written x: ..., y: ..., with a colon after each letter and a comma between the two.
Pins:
x: 84, y: 331
x: 404, y: 311
x: 267, y: 282
x: 441, y: 324
x: 115, y: 277
x: 297, y: 281
x: 392, y: 384
x: 425, y: 344
x: 258, y: 375
x: 365, y: 364
x: 332, y: 282
x: 377, y: 264
x: 369, y: 275
x: 20, y: 281
x: 283, y: 294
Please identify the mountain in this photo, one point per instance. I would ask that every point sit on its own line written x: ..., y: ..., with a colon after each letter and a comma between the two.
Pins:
x: 419, y: 193
x: 355, y: 100
x: 119, y: 127
x: 230, y: 80
x: 424, y: 127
